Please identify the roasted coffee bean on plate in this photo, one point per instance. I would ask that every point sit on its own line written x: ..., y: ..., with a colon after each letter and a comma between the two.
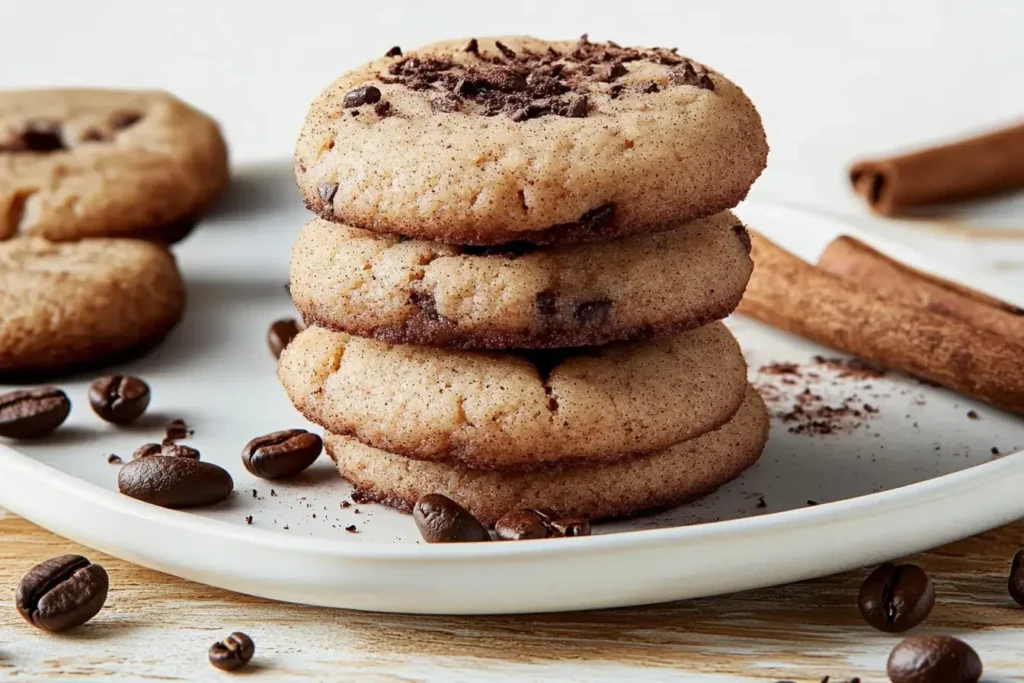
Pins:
x: 526, y: 524
x: 933, y: 659
x: 31, y: 413
x: 165, y: 449
x: 281, y: 333
x: 281, y: 454
x: 1015, y: 582
x: 174, y: 482
x: 62, y: 592
x: 119, y: 398
x: 895, y: 598
x: 441, y: 520
x: 233, y: 652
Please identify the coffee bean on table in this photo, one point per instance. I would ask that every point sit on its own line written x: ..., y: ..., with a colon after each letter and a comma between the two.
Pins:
x: 281, y: 333
x: 32, y: 413
x: 119, y: 398
x: 1015, y: 583
x: 933, y: 659
x: 62, y: 593
x: 174, y: 482
x: 895, y: 598
x: 233, y: 652
x: 522, y: 525
x: 281, y: 454
x: 442, y: 520
x: 165, y: 449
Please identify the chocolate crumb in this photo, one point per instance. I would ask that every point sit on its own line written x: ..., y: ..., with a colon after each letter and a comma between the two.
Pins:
x: 973, y: 415
x: 354, y: 112
x: 761, y: 502
x: 505, y: 50
x: 812, y: 502
x: 382, y: 109
x: 995, y: 451
x: 356, y: 511
x: 345, y: 504
x: 473, y: 47
x: 248, y: 519
x: 114, y: 459
x: 286, y: 527
x: 351, y: 528
x: 394, y: 52
x: 273, y: 492
x: 254, y: 493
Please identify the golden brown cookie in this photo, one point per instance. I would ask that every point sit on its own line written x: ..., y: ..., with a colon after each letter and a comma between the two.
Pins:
x: 74, y: 305
x: 517, y: 411
x: 106, y: 163
x: 495, y: 140
x: 652, y: 482
x: 415, y: 291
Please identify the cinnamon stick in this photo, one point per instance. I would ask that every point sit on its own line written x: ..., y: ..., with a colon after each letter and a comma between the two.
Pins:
x: 968, y: 169
x: 793, y: 295
x: 855, y: 261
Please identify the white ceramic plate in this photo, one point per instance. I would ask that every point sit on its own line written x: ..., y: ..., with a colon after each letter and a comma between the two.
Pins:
x: 915, y: 474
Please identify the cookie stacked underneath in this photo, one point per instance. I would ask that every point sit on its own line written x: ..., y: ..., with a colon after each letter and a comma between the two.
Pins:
x: 513, y: 285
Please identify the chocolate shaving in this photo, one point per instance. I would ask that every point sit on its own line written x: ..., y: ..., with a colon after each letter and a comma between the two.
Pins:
x: 527, y: 85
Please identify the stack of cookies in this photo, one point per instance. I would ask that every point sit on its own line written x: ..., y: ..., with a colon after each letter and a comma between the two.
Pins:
x: 513, y: 284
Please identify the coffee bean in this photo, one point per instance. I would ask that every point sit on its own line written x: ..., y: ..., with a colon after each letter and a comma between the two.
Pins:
x: 174, y: 482
x: 281, y: 454
x: 119, y: 399
x: 895, y: 598
x: 62, y: 593
x: 360, y: 96
x: 167, y: 449
x: 570, y: 526
x: 281, y: 333
x: 1015, y: 582
x: 442, y: 520
x: 233, y: 652
x: 33, y: 412
x: 933, y: 659
x: 521, y: 525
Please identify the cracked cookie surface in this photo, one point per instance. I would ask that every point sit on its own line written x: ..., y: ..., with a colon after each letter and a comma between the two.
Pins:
x: 518, y: 296
x: 646, y: 483
x: 487, y: 141
x: 523, y: 411
x: 106, y: 163
x: 75, y: 305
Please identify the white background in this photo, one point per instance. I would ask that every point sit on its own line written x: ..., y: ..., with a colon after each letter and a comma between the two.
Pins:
x: 833, y: 80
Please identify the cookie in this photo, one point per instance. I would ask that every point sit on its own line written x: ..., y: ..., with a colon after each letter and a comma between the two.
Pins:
x: 652, y: 482
x: 74, y: 305
x: 523, y: 411
x: 415, y: 291
x: 106, y: 163
x: 517, y: 139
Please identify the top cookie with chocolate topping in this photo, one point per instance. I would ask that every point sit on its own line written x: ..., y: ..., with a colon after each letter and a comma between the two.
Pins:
x: 485, y: 141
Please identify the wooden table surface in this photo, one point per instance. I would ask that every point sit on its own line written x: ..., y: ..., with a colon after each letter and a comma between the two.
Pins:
x: 157, y: 627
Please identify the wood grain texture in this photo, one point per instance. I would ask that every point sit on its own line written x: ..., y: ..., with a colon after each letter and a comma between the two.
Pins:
x: 157, y: 627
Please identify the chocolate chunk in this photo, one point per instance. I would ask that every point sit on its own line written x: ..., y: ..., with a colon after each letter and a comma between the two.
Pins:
x: 650, y: 88
x: 686, y: 74
x: 472, y: 47
x: 577, y: 107
x: 360, y: 96
x: 615, y: 91
x: 547, y: 303
x: 504, y: 49
x: 593, y: 312
x: 327, y: 191
x: 445, y: 103
x: 37, y: 136
x: 394, y: 52
x: 425, y: 302
x: 382, y: 109
x: 612, y: 71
